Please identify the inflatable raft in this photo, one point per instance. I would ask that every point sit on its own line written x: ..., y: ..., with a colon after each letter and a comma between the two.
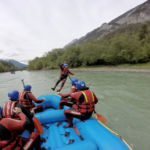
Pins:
x: 95, y: 135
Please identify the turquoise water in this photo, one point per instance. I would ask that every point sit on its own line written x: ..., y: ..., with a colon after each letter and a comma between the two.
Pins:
x: 124, y: 98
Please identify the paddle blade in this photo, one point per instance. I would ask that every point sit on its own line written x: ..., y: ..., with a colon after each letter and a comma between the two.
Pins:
x: 101, y: 118
x: 38, y: 125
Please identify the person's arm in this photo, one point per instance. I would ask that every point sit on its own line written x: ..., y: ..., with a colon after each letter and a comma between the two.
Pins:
x: 31, y: 96
x: 72, y: 90
x: 14, y: 124
x: 63, y: 94
x: 70, y: 72
x: 75, y: 96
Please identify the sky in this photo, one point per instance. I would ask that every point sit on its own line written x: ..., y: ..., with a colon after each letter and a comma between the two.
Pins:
x: 31, y: 28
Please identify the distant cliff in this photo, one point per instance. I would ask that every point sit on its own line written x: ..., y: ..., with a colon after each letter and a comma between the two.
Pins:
x: 139, y: 14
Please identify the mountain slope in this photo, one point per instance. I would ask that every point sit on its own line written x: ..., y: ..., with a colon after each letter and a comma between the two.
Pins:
x: 139, y: 14
x: 15, y: 63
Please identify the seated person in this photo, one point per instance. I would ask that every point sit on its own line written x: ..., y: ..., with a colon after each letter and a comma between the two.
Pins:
x: 84, y: 106
x: 65, y: 100
x: 9, y: 127
x: 26, y: 97
x: 10, y: 105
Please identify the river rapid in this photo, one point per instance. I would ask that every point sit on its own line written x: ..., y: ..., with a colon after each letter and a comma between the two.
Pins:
x: 124, y: 97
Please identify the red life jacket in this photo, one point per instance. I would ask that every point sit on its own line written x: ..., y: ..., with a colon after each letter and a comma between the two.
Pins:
x: 8, y: 109
x: 25, y: 100
x: 88, y: 105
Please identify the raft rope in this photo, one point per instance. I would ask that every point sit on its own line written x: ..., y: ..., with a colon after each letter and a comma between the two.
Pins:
x: 115, y: 134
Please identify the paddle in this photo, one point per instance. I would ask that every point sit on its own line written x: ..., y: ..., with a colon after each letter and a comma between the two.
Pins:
x: 36, y: 122
x: 76, y: 130
x: 38, y: 125
x: 69, y: 77
x: 101, y: 118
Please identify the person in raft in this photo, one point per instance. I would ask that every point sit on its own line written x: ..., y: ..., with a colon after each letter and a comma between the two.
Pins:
x: 65, y: 100
x: 84, y: 106
x: 11, y: 104
x: 11, y: 128
x: 63, y: 76
x: 26, y: 97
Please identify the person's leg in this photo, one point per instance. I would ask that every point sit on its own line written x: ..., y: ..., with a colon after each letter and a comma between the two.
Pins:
x: 62, y: 85
x: 56, y: 84
x: 70, y: 114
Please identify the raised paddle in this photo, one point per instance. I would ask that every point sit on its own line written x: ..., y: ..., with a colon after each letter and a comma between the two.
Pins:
x: 36, y: 122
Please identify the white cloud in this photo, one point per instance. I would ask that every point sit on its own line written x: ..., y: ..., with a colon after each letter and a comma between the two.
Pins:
x: 30, y: 28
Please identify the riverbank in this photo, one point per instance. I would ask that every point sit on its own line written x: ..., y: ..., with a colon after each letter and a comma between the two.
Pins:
x: 118, y: 68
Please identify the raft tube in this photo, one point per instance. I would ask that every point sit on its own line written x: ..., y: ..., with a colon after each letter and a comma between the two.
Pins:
x: 96, y: 136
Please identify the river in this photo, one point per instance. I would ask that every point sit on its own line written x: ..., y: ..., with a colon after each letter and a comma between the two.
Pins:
x: 124, y: 98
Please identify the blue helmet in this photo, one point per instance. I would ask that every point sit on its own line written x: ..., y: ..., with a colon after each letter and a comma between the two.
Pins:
x: 13, y: 95
x: 65, y: 65
x: 0, y: 112
x: 80, y: 85
x: 74, y: 81
x: 27, y: 87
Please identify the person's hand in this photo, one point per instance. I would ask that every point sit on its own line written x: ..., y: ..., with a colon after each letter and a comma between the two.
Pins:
x: 58, y: 93
x: 17, y: 110
x: 33, y: 110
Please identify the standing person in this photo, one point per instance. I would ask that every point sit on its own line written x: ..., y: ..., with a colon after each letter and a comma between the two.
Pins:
x: 65, y: 100
x: 85, y: 101
x: 63, y: 76
x: 26, y: 97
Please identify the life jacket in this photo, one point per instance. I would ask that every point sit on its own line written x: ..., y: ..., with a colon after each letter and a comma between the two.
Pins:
x: 25, y: 100
x: 88, y: 105
x: 8, y: 109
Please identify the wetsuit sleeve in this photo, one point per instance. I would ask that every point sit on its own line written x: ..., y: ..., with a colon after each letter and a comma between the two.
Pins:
x: 72, y: 90
x: 75, y: 96
x: 14, y: 124
x: 32, y: 97
x: 70, y: 72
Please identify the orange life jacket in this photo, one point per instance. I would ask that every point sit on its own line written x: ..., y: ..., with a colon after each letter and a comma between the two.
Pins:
x: 25, y: 100
x: 88, y: 105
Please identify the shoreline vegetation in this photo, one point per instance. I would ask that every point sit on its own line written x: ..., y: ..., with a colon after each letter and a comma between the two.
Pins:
x: 8, y: 67
x: 127, y: 45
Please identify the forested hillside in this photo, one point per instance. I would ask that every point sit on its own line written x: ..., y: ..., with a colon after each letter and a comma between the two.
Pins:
x: 129, y: 44
x: 5, y: 66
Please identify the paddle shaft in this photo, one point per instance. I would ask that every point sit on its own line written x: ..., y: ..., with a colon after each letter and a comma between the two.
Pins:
x: 69, y: 77
x: 76, y: 130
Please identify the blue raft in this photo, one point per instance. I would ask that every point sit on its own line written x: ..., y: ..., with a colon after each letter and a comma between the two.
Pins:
x: 96, y: 136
